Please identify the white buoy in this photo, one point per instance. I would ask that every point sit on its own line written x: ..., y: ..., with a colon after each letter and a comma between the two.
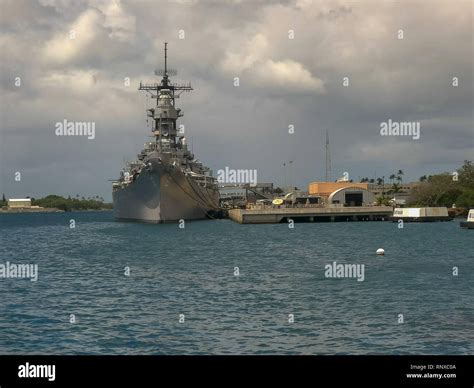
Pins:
x: 380, y: 251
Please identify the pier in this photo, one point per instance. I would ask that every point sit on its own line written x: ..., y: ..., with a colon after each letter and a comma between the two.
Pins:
x: 275, y: 215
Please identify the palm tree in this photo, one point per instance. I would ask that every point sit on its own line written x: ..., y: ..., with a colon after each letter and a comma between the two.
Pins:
x: 392, y: 177
x: 395, y: 189
x: 399, y: 176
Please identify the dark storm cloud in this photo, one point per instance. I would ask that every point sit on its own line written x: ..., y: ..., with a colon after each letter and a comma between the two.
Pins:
x: 282, y: 81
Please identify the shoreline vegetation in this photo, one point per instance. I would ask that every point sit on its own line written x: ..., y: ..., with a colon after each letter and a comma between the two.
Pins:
x: 452, y: 190
x: 56, y: 203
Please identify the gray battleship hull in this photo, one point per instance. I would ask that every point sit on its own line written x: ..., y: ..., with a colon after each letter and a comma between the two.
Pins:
x: 158, y: 195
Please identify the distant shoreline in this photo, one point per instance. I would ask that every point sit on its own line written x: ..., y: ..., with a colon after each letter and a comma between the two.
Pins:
x: 50, y: 210
x: 53, y: 204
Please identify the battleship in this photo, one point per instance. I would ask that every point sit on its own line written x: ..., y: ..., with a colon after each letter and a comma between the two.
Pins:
x: 166, y: 183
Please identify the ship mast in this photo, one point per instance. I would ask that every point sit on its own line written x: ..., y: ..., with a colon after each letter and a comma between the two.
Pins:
x: 165, y: 84
x: 164, y: 114
x: 166, y: 55
x: 165, y: 75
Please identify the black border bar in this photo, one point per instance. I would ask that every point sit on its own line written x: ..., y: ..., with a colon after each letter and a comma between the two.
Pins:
x: 321, y: 371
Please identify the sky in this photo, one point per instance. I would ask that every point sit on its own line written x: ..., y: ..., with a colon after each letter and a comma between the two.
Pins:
x: 339, y: 66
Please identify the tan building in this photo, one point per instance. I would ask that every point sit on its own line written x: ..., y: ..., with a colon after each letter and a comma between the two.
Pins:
x: 325, y: 189
x: 404, y: 194
x: 19, y: 203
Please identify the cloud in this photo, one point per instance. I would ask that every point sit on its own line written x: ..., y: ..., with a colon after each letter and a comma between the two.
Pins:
x: 67, y: 45
x: 105, y: 23
x: 247, y: 56
x: 253, y: 63
x: 288, y: 75
x: 73, y: 81
x: 120, y: 24
x: 283, y: 81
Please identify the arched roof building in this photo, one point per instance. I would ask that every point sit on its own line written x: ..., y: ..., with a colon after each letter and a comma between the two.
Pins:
x: 352, y: 196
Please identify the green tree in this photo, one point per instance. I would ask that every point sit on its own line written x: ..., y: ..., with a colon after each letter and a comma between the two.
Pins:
x: 437, y: 190
x: 466, y: 174
x: 67, y: 204
x: 466, y: 185
x: 466, y: 199
x: 395, y: 189
x: 382, y: 200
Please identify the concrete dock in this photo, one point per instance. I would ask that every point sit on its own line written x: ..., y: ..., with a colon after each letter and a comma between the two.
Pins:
x: 274, y: 215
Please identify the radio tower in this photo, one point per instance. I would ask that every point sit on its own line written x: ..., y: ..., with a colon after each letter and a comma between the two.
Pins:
x: 328, y: 159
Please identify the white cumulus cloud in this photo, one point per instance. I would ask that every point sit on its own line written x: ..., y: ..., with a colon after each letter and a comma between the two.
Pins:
x: 68, y: 44
x: 254, y: 62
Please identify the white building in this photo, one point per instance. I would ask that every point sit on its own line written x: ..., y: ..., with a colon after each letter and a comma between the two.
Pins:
x: 19, y: 203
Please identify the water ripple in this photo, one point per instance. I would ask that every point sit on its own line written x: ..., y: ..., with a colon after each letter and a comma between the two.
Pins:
x: 191, y: 271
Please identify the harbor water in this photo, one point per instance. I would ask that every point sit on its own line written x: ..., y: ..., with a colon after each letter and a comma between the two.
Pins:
x: 218, y: 287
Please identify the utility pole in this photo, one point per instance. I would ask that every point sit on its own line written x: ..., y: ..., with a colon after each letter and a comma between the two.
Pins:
x: 328, y: 159
x: 290, y: 183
